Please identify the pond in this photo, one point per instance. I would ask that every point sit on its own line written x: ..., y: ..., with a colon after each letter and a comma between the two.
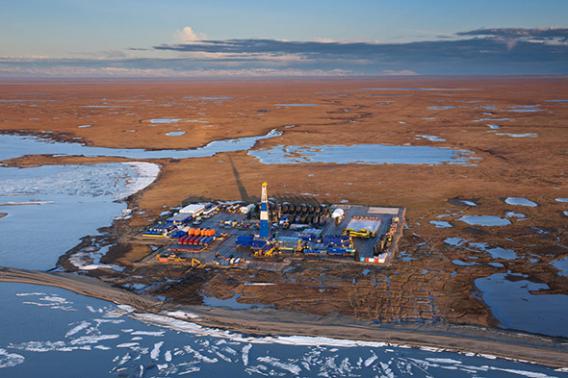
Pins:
x: 520, y: 201
x: 485, y: 220
x: 514, y: 304
x: 14, y: 146
x: 362, y: 154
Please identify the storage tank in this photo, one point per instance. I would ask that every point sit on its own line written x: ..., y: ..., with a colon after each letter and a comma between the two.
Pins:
x: 338, y: 215
x: 247, y: 209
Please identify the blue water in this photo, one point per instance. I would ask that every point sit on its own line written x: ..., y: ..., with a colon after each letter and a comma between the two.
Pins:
x: 362, y: 154
x: 296, y: 105
x: 85, y: 337
x: 431, y: 138
x: 484, y: 220
x: 514, y: 214
x: 52, y: 332
x: 175, y: 133
x: 441, y: 224
x: 418, y: 89
x: 442, y: 107
x: 525, y: 108
x: 519, y: 135
x: 520, y: 201
x: 562, y: 266
x: 13, y: 146
x: 162, y: 121
x: 77, y: 200
x: 557, y: 101
x: 231, y: 303
x: 513, y: 305
x: 495, y: 252
x: 463, y: 263
x: 454, y: 241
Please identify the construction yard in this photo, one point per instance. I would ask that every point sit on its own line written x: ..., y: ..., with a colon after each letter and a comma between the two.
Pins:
x: 221, y: 233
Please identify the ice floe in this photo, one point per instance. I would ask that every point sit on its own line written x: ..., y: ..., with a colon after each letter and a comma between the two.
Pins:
x: 8, y: 360
x: 519, y: 135
x: 431, y: 138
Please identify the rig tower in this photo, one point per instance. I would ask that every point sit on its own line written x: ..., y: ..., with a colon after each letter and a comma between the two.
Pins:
x: 264, y: 219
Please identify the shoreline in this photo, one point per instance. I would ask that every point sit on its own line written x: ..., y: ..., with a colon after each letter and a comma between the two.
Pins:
x: 487, y: 343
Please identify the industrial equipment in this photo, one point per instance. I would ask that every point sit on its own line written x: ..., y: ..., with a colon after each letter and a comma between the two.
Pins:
x: 264, y: 218
x: 338, y: 215
x: 363, y: 227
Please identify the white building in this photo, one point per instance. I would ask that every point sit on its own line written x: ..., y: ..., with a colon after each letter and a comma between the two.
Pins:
x: 195, y: 209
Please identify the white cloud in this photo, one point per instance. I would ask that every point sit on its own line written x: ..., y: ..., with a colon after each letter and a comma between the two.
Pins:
x: 398, y: 73
x: 188, y: 35
x: 69, y: 71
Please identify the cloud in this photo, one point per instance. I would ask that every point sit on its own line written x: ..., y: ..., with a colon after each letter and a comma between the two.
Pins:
x: 399, y: 73
x: 188, y: 35
x: 477, y: 52
x: 512, y: 36
x: 518, y: 33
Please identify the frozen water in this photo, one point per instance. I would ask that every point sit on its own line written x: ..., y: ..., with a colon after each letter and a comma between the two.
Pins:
x: 557, y: 101
x: 520, y: 201
x: 485, y: 220
x: 497, y: 265
x: 431, y: 138
x: 454, y: 241
x: 8, y: 360
x: 415, y: 89
x: 493, y: 119
x: 80, y: 199
x: 175, y: 133
x: 514, y: 214
x: 296, y: 105
x: 162, y: 121
x: 502, y: 253
x: 14, y: 146
x: 467, y: 202
x: 561, y: 200
x: 525, y: 108
x: 493, y: 126
x: 442, y: 107
x: 362, y: 154
x: 441, y: 224
x: 97, y: 348
x: 463, y: 263
x: 230, y: 303
x: 519, y: 135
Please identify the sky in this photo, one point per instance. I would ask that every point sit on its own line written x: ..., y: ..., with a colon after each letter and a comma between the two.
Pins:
x: 151, y: 38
